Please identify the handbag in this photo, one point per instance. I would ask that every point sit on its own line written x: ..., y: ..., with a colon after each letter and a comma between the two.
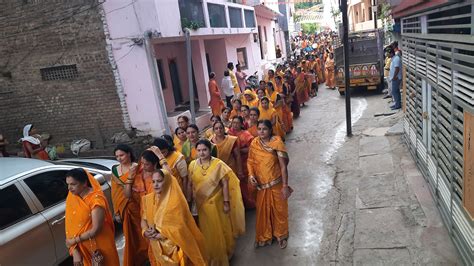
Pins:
x: 97, y: 259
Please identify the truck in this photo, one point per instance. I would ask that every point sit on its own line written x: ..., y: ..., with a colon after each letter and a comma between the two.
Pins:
x: 366, y: 60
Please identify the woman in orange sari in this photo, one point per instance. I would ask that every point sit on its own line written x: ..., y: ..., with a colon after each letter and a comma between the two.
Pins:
x: 140, y: 176
x: 89, y: 224
x: 254, y: 115
x: 287, y: 115
x: 269, y: 113
x: 227, y: 149
x: 330, y: 68
x: 236, y: 105
x: 169, y: 226
x: 267, y: 165
x: 127, y: 208
x: 215, y: 102
x: 301, y: 87
x: 219, y: 203
x: 225, y: 117
x: 245, y: 138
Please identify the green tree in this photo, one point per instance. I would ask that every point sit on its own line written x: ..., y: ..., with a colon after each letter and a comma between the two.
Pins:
x: 309, y: 28
x: 307, y: 5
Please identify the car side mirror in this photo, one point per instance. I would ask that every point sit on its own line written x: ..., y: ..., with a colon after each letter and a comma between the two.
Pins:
x: 100, y: 178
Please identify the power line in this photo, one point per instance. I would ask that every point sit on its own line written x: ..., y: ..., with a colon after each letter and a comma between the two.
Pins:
x: 119, y: 8
x: 129, y: 51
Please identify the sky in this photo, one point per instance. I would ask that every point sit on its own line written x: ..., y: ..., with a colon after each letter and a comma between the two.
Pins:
x: 327, y: 12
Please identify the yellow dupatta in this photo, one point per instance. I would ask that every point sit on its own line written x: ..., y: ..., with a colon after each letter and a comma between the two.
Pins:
x: 206, y: 186
x: 172, y: 159
x: 224, y: 150
x: 170, y: 215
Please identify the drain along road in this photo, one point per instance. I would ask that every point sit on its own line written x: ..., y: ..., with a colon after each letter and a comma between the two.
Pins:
x: 330, y: 221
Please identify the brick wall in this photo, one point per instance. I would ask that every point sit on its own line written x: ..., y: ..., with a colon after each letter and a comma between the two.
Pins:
x: 36, y: 34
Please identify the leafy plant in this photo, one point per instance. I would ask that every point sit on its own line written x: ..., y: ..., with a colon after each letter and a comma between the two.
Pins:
x: 190, y: 24
x: 309, y: 28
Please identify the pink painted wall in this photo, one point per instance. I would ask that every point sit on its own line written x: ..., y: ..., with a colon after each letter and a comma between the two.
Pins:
x: 166, y: 52
x: 217, y: 57
x: 270, y: 43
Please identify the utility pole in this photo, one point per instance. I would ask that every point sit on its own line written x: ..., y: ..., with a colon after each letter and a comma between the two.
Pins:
x: 374, y: 10
x: 345, y: 42
x: 187, y: 35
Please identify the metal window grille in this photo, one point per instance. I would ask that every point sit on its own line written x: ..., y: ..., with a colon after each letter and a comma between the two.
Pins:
x: 59, y: 73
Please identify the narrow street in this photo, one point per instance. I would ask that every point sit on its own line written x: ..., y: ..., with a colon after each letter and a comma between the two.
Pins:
x: 318, y: 134
x: 357, y: 201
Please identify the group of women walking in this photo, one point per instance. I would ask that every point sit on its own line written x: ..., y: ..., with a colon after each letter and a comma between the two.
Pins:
x: 183, y: 201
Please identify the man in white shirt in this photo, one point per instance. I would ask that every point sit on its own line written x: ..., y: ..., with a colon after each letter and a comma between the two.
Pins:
x: 227, y: 88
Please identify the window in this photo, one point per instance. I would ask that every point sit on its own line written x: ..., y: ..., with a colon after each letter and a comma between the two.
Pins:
x: 265, y: 33
x: 191, y: 11
x: 217, y: 15
x: 13, y: 207
x: 242, y: 57
x: 59, y: 73
x: 235, y: 16
x: 249, y: 19
x: 50, y: 188
x: 159, y: 63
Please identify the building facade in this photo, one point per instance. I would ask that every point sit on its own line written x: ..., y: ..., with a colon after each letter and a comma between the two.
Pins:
x: 361, y: 15
x: 438, y: 55
x: 55, y: 72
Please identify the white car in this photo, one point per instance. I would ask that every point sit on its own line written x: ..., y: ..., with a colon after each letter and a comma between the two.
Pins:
x: 32, y: 205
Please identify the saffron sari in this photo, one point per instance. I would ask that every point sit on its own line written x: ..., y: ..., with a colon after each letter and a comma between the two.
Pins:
x: 219, y: 229
x: 301, y: 88
x: 189, y: 151
x: 330, y: 78
x: 253, y: 130
x: 178, y: 145
x: 135, y: 250
x: 79, y: 220
x: 182, y: 243
x: 244, y: 140
x: 174, y: 159
x: 271, y: 209
x: 225, y: 151
x: 215, y: 102
x: 272, y: 115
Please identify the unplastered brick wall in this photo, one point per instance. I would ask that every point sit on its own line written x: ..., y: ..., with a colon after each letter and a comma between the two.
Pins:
x: 39, y: 34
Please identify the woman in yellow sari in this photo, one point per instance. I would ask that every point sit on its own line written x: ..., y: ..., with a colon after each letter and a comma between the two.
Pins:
x: 89, y: 224
x: 176, y: 163
x: 127, y: 208
x: 180, y: 138
x: 183, y: 122
x: 267, y: 165
x: 189, y: 147
x: 271, y: 92
x: 227, y: 148
x: 250, y: 99
x: 219, y: 203
x: 236, y: 105
x: 269, y: 113
x: 330, y: 79
x: 169, y: 226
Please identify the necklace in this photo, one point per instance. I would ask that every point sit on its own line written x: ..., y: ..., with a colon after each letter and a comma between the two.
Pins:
x: 204, y: 169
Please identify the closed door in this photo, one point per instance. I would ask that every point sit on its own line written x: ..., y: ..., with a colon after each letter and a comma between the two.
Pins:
x: 175, y: 82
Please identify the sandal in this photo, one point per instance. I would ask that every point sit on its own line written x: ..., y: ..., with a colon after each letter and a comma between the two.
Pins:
x: 283, y: 243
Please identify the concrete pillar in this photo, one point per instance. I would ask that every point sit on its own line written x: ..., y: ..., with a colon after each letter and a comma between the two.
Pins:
x: 200, y: 72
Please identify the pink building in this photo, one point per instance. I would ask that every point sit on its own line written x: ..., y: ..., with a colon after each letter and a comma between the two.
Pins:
x: 155, y: 81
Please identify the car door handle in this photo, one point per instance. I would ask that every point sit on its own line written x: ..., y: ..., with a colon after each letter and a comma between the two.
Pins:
x: 59, y: 221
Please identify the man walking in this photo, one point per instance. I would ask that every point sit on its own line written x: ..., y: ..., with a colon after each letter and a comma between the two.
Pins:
x: 395, y: 78
x: 227, y: 88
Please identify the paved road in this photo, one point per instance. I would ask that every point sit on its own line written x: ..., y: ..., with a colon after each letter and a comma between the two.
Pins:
x: 318, y: 134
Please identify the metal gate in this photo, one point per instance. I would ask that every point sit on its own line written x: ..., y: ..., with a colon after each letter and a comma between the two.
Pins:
x: 438, y: 54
